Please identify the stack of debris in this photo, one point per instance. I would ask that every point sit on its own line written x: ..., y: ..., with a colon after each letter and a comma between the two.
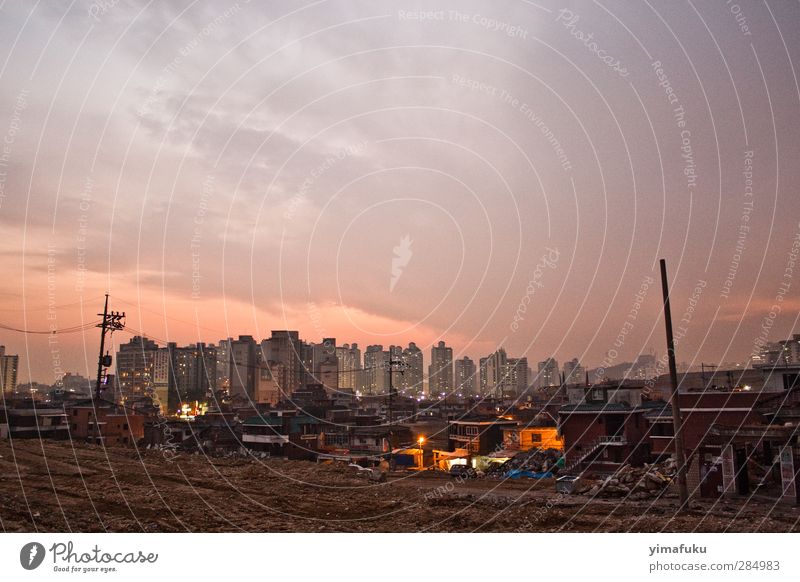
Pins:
x: 532, y: 461
x: 377, y: 474
x: 634, y: 483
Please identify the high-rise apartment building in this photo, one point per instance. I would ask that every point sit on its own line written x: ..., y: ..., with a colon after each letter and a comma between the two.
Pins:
x: 493, y: 368
x: 9, y: 366
x: 440, y: 370
x: 376, y: 370
x: 184, y: 375
x: 574, y: 373
x: 782, y: 353
x: 350, y: 372
x: 135, y: 368
x: 244, y: 366
x: 548, y: 373
x: 285, y: 348
x: 412, y: 380
x: 465, y: 376
x: 515, y: 378
x: 223, y: 365
x: 503, y: 377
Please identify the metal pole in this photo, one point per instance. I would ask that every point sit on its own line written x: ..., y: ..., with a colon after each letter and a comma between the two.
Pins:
x: 103, y: 327
x: 680, y: 453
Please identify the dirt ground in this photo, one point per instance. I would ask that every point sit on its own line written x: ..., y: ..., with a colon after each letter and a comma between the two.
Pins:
x: 61, y: 487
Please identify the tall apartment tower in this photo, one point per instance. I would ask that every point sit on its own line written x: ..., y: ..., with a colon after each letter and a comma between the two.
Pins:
x: 574, y: 373
x: 350, y: 371
x: 494, y: 370
x: 515, y: 378
x: 223, y: 365
x: 9, y: 365
x: 244, y: 367
x: 135, y: 368
x: 413, y: 366
x: 325, y: 364
x: 548, y: 373
x: 376, y: 370
x: 465, y: 376
x: 286, y: 348
x: 184, y: 375
x: 440, y: 371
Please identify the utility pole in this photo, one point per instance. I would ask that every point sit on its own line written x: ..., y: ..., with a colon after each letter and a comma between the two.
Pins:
x: 677, y: 424
x: 111, y: 322
x: 392, y: 363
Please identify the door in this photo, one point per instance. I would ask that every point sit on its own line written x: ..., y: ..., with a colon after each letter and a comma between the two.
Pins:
x: 742, y: 477
x: 710, y: 477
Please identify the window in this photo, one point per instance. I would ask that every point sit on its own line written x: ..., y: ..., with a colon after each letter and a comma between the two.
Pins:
x: 536, y: 438
x: 124, y: 427
x: 471, y: 430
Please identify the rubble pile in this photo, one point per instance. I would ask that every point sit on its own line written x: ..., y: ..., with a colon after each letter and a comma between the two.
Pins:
x: 634, y: 483
x: 534, y: 461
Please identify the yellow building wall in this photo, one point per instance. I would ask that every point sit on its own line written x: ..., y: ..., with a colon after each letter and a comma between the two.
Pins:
x: 533, y: 438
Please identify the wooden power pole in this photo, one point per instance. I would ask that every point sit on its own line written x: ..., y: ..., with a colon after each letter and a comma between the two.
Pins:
x: 677, y: 424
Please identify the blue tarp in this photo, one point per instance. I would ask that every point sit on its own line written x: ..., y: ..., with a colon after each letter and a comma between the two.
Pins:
x: 517, y: 473
x: 404, y: 460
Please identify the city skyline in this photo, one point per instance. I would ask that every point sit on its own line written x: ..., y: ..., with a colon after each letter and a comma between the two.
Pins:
x: 610, y: 358
x: 355, y: 374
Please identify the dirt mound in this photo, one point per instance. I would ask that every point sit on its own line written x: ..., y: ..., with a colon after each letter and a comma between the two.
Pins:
x: 58, y: 486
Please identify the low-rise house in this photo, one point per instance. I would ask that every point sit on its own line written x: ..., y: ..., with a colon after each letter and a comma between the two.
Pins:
x: 378, y: 439
x: 780, y: 377
x: 265, y: 433
x: 478, y: 435
x: 603, y: 426
x: 533, y: 436
x: 104, y: 422
x: 750, y: 457
x: 28, y: 419
x: 699, y: 411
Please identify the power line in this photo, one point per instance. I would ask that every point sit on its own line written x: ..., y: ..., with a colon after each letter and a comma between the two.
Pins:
x: 70, y: 329
x: 51, y: 307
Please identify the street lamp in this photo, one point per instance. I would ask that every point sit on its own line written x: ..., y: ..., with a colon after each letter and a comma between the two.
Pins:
x: 421, y: 440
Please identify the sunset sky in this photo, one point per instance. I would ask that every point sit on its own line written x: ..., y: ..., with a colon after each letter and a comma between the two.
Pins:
x: 225, y: 168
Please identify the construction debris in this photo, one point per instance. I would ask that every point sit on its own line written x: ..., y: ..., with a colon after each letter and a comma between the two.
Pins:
x: 635, y: 483
x: 533, y: 461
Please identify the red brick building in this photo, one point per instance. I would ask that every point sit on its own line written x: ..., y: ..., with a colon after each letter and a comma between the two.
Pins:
x: 106, y: 423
